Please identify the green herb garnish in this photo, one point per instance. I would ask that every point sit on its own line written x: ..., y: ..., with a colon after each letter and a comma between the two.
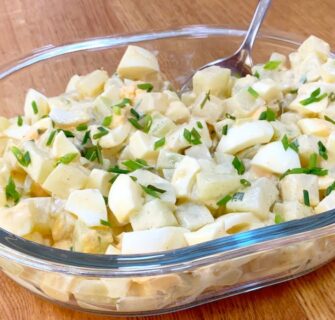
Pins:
x: 122, y: 103
x: 238, y: 165
x: 35, y: 107
x: 245, y: 183
x: 322, y: 150
x: 314, y: 97
x: 222, y: 202
x: 285, y: 142
x: 81, y: 127
x: 145, y: 86
x: 135, y: 164
x: 19, y: 121
x: 105, y: 223
x: 206, y: 98
x: 253, y: 92
x: 22, y: 158
x: 278, y: 218
x: 11, y: 192
x: 51, y: 137
x: 331, y: 97
x: 316, y: 171
x: 193, y: 136
x: 153, y: 191
x: 330, y: 188
x: 267, y: 115
x: 229, y: 116
x: 159, y: 143
x: 272, y: 64
x: 313, y: 158
x: 118, y: 170
x: 67, y: 133
x: 67, y: 158
x: 106, y: 122
x: 86, y: 137
x: 330, y: 120
x: 141, y: 122
x: 199, y: 125
x: 93, y: 153
x: 225, y: 129
x: 257, y: 75
x: 306, y: 198
x: 102, y: 132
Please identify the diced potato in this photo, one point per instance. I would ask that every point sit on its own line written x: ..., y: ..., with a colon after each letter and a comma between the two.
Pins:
x: 275, y: 158
x: 198, y: 152
x: 291, y: 210
x: 63, y: 226
x: 192, y: 216
x: 154, y: 214
x: 4, y: 123
x: 239, y: 221
x: 57, y: 286
x: 125, y: 198
x: 212, y: 186
x: 141, y: 145
x: 178, y: 112
x: 315, y: 126
x: 41, y: 165
x: 314, y: 44
x: 167, y: 159
x: 206, y: 233
x: 184, y: 175
x: 211, y: 110
x: 214, y: 79
x: 116, y: 136
x: 258, y: 198
x: 88, y: 205
x: 154, y: 240
x: 327, y: 203
x: 92, y: 84
x: 16, y: 132
x: 161, y: 125
x: 117, y: 287
x: 293, y: 185
x: 148, y: 102
x: 137, y: 63
x: 65, y: 178
x: 88, y: 240
x: 268, y: 89
x: 328, y: 71
x: 112, y: 250
x: 307, y: 146
x: 145, y: 178
x: 99, y: 179
x: 245, y: 135
x: 62, y: 146
x: 35, y: 106
x: 72, y: 84
x: 91, y: 291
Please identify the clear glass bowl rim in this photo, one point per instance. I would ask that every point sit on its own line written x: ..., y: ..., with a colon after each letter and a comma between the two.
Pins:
x: 241, y: 245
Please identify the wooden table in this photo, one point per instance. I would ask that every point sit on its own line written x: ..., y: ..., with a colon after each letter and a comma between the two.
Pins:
x: 27, y: 24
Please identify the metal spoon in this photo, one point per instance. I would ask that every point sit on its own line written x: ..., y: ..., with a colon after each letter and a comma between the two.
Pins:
x: 240, y: 62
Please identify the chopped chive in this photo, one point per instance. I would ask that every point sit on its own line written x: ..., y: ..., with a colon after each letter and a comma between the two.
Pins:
x: 222, y: 202
x: 199, y: 125
x: 93, y: 153
x: 147, y: 122
x: 330, y: 188
x: 316, y: 171
x: 117, y: 110
x: 105, y: 223
x: 229, y: 116
x: 206, y: 98
x: 159, y: 143
x: 145, y: 86
x: 135, y: 113
x: 22, y: 158
x: 330, y: 120
x: 111, y: 181
x: 118, y: 170
x: 152, y: 191
x: 19, y: 121
x: 285, y: 142
x: 331, y: 97
x: 67, y: 158
x: 106, y: 122
x: 135, y: 123
x: 51, y: 137
x: 225, y: 129
x: 257, y: 75
x: 135, y: 164
x: 122, y: 103
x: 267, y: 115
x: 67, y: 133
x: 253, y: 92
x: 294, y: 145
x: 306, y: 198
x: 293, y: 91
x: 278, y: 218
x: 322, y: 150
x: 99, y: 154
x: 34, y: 106
x: 81, y: 127
x: 245, y: 183
x: 192, y: 137
x: 272, y: 64
x: 312, y: 160
x: 86, y: 137
x: 238, y: 165
x: 11, y: 192
x: 102, y: 132
x: 314, y: 97
x: 143, y: 123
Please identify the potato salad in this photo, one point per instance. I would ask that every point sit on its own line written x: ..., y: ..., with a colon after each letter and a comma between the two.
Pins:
x: 122, y: 164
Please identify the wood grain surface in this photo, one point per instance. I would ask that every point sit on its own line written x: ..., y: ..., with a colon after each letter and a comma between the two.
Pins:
x: 28, y: 24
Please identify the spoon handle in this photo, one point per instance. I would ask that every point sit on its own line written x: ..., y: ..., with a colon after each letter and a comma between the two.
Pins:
x: 257, y: 19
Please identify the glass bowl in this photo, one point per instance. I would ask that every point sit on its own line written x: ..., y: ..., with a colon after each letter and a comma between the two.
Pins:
x: 172, y: 280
